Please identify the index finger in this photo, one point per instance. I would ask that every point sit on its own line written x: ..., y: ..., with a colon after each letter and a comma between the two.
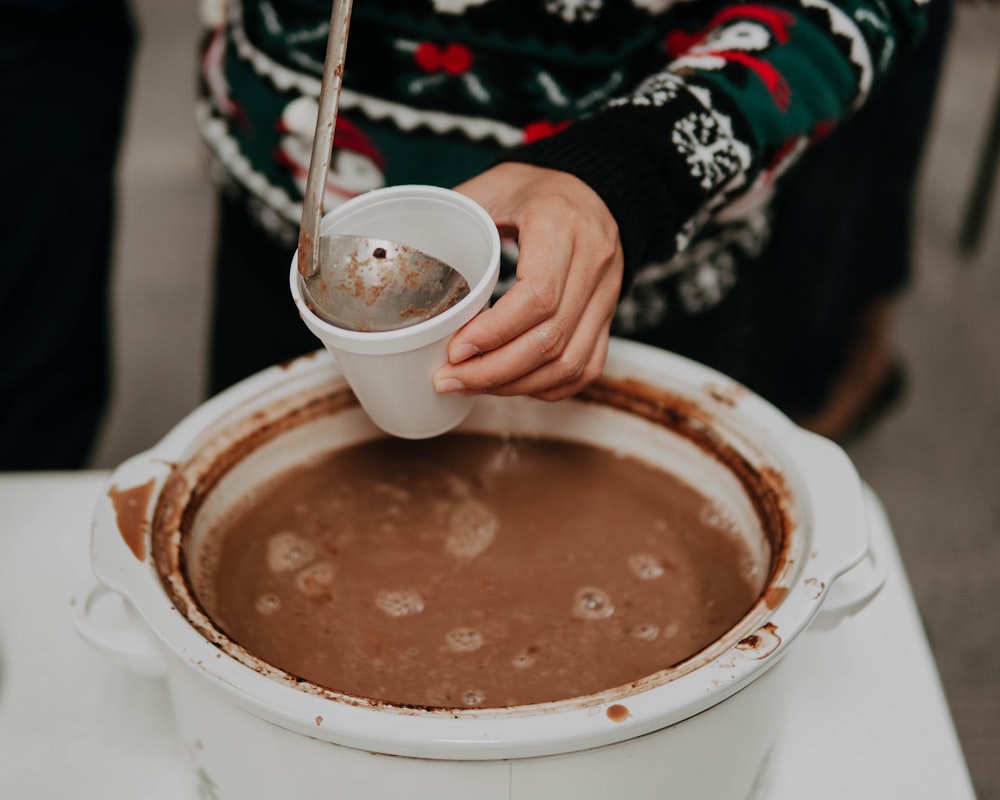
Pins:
x: 536, y: 296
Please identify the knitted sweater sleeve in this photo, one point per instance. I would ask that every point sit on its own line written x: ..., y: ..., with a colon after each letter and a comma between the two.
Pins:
x: 734, y: 105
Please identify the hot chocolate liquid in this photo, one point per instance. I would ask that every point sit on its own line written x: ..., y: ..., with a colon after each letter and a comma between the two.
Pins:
x: 474, y: 571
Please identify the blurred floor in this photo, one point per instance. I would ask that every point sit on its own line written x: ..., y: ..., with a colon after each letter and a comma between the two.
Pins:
x: 935, y: 461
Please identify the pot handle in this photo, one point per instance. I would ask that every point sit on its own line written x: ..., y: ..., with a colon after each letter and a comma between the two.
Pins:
x: 854, y: 589
x: 105, y: 620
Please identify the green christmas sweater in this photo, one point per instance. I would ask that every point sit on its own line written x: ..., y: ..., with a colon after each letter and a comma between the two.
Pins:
x: 682, y: 115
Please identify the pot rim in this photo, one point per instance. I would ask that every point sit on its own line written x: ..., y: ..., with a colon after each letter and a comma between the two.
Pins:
x: 828, y: 526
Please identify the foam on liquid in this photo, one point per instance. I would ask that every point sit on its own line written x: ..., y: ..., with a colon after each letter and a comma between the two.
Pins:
x: 474, y: 571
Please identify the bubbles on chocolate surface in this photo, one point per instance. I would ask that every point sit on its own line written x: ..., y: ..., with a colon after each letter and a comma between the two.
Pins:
x: 457, y: 486
x: 719, y: 516
x: 506, y: 456
x: 471, y: 529
x: 463, y: 640
x: 399, y: 603
x: 750, y: 569
x: 315, y: 580
x: 287, y: 551
x: 592, y: 603
x: 645, y: 566
x: 395, y: 491
x: 267, y: 604
x: 523, y: 660
x: 492, y: 593
x: 473, y: 697
x: 647, y: 632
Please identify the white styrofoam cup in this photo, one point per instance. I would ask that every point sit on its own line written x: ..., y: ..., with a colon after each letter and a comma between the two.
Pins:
x: 391, y: 371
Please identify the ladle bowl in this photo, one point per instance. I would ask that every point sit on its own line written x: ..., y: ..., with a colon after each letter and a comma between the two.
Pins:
x: 366, y: 284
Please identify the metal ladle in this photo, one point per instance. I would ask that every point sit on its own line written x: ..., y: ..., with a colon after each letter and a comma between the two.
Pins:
x: 355, y: 282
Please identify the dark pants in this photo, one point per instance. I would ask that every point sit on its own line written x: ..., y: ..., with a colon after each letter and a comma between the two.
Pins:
x: 843, y: 226
x: 254, y: 322
x: 63, y: 84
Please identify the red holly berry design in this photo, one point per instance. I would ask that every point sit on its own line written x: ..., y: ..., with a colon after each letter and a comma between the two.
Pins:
x: 539, y: 129
x: 455, y: 59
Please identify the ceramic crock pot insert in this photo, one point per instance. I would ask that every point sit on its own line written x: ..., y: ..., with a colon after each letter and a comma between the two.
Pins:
x: 674, y: 414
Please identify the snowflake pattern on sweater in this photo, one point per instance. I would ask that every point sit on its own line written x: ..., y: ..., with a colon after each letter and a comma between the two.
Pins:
x: 681, y: 115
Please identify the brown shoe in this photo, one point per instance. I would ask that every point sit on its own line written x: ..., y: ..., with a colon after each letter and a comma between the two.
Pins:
x: 871, y: 382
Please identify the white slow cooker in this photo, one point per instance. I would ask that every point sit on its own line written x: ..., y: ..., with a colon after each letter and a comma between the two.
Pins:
x: 699, y: 729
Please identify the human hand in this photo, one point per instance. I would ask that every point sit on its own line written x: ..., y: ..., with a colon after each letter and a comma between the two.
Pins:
x: 548, y: 335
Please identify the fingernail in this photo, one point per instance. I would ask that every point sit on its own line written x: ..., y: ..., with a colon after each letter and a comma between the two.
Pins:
x: 447, y: 385
x: 462, y: 352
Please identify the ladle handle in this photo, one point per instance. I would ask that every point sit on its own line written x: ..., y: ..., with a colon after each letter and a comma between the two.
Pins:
x: 326, y: 123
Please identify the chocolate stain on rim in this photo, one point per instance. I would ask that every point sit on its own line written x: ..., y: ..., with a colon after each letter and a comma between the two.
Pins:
x: 181, y: 498
x: 727, y: 394
x: 761, y: 644
x: 290, y: 362
x: 774, y: 595
x: 130, y: 515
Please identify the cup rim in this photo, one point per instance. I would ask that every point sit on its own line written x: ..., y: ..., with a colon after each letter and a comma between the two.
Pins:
x: 424, y: 332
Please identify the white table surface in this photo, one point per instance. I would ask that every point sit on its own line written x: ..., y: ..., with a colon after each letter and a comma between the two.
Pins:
x: 869, y: 722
